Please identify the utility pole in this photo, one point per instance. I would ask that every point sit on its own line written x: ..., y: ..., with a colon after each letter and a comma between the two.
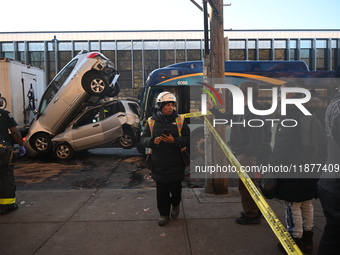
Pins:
x: 213, y: 69
x: 217, y: 57
x: 209, y: 182
x: 217, y: 39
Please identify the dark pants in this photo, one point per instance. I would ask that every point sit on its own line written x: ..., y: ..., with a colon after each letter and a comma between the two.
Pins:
x: 330, y: 241
x: 168, y: 194
x: 249, y: 206
x: 7, y: 183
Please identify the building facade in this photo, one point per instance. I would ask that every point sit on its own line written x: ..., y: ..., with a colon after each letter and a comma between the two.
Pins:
x: 137, y: 53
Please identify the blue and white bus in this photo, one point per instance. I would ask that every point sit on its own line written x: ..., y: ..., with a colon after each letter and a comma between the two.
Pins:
x: 184, y: 79
x: 177, y: 76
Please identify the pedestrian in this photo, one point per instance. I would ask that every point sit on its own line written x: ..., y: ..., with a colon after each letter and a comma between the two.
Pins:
x: 7, y: 182
x: 297, y: 193
x: 329, y: 183
x: 246, y: 142
x: 167, y: 166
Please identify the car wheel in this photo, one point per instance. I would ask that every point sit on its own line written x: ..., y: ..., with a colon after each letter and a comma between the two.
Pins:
x: 41, y: 143
x: 114, y: 91
x: 63, y: 151
x: 127, y: 141
x: 95, y: 84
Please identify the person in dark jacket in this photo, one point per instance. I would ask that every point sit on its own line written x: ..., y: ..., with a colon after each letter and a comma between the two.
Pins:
x: 7, y: 180
x: 246, y: 142
x: 297, y: 193
x: 329, y: 183
x: 167, y: 166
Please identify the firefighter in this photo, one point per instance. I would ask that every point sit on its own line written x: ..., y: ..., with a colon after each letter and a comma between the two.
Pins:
x: 7, y: 183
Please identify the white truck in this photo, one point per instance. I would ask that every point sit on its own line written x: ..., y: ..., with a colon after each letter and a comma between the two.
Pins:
x: 21, y: 86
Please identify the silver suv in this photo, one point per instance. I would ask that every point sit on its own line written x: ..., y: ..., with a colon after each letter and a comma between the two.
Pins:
x: 85, y: 80
x: 116, y: 121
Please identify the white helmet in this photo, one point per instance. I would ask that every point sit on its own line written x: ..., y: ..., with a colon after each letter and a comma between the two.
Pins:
x: 165, y: 97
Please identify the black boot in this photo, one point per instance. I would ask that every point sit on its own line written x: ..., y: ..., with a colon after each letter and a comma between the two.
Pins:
x: 299, y: 243
x: 4, y: 209
x: 307, y: 240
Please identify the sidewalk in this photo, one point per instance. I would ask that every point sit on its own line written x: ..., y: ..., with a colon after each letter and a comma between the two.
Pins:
x: 125, y: 221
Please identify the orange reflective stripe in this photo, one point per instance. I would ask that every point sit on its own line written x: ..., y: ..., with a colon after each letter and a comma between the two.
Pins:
x: 179, y: 122
x: 151, y: 123
x: 7, y: 201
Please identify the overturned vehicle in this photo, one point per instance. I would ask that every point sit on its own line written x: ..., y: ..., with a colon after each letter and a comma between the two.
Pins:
x: 84, y: 81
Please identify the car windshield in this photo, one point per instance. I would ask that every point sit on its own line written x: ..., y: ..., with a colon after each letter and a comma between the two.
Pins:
x: 55, y: 85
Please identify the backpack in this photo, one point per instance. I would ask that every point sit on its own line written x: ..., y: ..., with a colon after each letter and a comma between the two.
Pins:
x: 313, y: 140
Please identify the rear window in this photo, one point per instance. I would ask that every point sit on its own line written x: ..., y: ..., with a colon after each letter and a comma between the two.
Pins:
x: 60, y: 79
x: 55, y: 85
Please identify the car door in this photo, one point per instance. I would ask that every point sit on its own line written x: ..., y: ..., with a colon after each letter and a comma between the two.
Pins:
x: 52, y: 109
x: 114, y: 118
x: 87, y: 132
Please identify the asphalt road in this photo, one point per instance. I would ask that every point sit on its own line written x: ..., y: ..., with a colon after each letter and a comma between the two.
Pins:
x: 97, y: 168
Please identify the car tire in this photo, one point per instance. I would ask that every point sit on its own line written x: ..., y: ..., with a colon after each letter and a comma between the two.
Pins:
x: 127, y: 141
x: 95, y: 84
x: 114, y: 91
x: 41, y: 143
x: 63, y: 151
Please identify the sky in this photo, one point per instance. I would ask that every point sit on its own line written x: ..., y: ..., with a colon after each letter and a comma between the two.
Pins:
x: 121, y: 15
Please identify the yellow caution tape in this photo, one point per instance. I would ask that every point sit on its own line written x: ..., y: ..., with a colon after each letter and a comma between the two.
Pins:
x: 273, y: 221
x: 279, y: 230
x: 7, y: 201
x: 195, y: 114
